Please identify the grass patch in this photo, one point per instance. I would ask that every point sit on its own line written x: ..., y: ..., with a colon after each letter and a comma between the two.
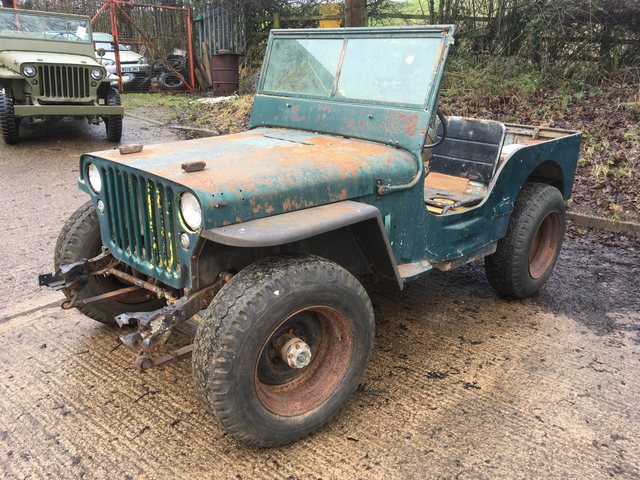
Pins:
x: 230, y: 116
x: 608, y: 114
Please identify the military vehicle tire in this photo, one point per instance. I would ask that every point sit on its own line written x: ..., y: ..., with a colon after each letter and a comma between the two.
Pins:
x: 237, y: 365
x: 80, y: 239
x: 113, y: 123
x: 525, y: 257
x: 8, y: 121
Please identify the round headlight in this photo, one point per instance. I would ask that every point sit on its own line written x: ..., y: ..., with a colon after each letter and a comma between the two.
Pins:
x: 95, y: 180
x: 97, y: 73
x: 29, y: 71
x: 190, y: 211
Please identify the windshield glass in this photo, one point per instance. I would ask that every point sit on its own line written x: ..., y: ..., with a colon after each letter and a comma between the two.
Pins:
x: 16, y: 24
x: 390, y: 70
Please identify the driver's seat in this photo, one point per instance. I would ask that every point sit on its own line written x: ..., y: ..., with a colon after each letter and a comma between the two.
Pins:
x: 467, y: 158
x: 471, y: 148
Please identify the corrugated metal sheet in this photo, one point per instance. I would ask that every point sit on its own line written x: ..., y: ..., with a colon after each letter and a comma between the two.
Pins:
x: 222, y: 26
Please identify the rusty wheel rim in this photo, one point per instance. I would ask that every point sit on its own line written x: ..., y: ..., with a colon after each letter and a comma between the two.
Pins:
x: 544, y: 245
x: 330, y: 339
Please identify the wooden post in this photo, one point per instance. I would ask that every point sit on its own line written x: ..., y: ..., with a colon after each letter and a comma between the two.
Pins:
x: 355, y: 13
x: 207, y: 64
x: 201, y: 73
x: 276, y: 21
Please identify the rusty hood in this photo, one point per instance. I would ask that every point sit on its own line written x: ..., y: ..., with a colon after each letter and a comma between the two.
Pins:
x: 266, y: 171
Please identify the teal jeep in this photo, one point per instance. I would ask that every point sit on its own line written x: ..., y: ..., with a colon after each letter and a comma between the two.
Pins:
x: 263, y: 237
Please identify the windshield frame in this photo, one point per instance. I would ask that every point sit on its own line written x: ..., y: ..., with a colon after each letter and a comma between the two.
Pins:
x: 441, y: 32
x: 65, y: 16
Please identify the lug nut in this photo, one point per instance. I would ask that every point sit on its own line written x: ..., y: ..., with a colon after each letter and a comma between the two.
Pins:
x: 296, y: 353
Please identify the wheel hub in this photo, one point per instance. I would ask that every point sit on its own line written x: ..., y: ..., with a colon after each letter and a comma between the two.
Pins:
x: 295, y: 352
x: 303, y: 361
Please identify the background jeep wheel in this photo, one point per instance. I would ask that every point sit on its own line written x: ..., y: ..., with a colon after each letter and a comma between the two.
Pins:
x: 113, y: 123
x: 271, y: 311
x: 8, y: 121
x: 525, y: 257
x: 80, y: 238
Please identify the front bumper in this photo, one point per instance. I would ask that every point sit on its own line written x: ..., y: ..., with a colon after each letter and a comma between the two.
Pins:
x: 67, y: 110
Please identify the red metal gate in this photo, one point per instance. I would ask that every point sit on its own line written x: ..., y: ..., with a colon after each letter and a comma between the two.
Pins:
x: 141, y: 30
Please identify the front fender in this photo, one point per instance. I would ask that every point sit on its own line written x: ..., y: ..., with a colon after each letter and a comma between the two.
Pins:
x: 298, y: 225
x: 8, y: 73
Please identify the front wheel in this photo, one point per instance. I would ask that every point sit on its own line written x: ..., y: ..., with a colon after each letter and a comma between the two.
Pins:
x: 80, y: 239
x: 525, y: 257
x: 8, y: 121
x: 113, y: 123
x: 282, y: 347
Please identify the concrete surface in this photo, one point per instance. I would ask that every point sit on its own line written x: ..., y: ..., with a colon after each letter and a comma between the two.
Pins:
x: 462, y: 384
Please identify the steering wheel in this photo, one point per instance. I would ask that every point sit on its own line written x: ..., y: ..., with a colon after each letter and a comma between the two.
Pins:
x: 68, y: 35
x: 443, y: 121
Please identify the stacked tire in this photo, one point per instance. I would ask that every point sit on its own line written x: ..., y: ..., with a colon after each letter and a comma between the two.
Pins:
x: 166, y: 76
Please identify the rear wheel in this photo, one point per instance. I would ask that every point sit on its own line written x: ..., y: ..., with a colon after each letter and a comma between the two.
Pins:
x: 282, y: 347
x: 113, y: 122
x: 8, y: 121
x: 80, y: 239
x: 525, y: 257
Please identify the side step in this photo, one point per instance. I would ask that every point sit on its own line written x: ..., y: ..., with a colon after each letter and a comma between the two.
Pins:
x: 409, y: 271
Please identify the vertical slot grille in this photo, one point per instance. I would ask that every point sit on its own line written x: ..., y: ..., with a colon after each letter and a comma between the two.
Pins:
x: 63, y: 82
x: 141, y: 219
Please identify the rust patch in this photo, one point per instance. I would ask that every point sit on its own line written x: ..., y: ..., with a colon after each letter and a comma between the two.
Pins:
x: 295, y: 115
x: 407, y: 121
x: 262, y: 174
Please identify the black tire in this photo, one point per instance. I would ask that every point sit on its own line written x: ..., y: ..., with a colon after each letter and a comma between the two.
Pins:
x: 170, y: 81
x: 178, y: 62
x: 158, y: 66
x: 80, y: 239
x: 254, y: 395
x: 8, y: 121
x: 525, y: 257
x: 113, y: 123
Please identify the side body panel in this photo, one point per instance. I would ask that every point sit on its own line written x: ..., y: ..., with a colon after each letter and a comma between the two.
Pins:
x: 457, y: 237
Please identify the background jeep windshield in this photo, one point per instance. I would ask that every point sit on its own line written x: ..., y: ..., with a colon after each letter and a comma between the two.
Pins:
x: 43, y: 27
x: 390, y: 70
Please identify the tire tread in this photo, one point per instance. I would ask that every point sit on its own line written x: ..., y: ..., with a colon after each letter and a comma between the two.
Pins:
x: 8, y: 123
x: 504, y: 267
x: 244, y: 295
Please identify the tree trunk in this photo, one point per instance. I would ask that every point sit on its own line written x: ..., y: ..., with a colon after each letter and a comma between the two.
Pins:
x: 355, y: 13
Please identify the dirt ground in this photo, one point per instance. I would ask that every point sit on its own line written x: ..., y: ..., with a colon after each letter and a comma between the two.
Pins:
x: 462, y: 384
